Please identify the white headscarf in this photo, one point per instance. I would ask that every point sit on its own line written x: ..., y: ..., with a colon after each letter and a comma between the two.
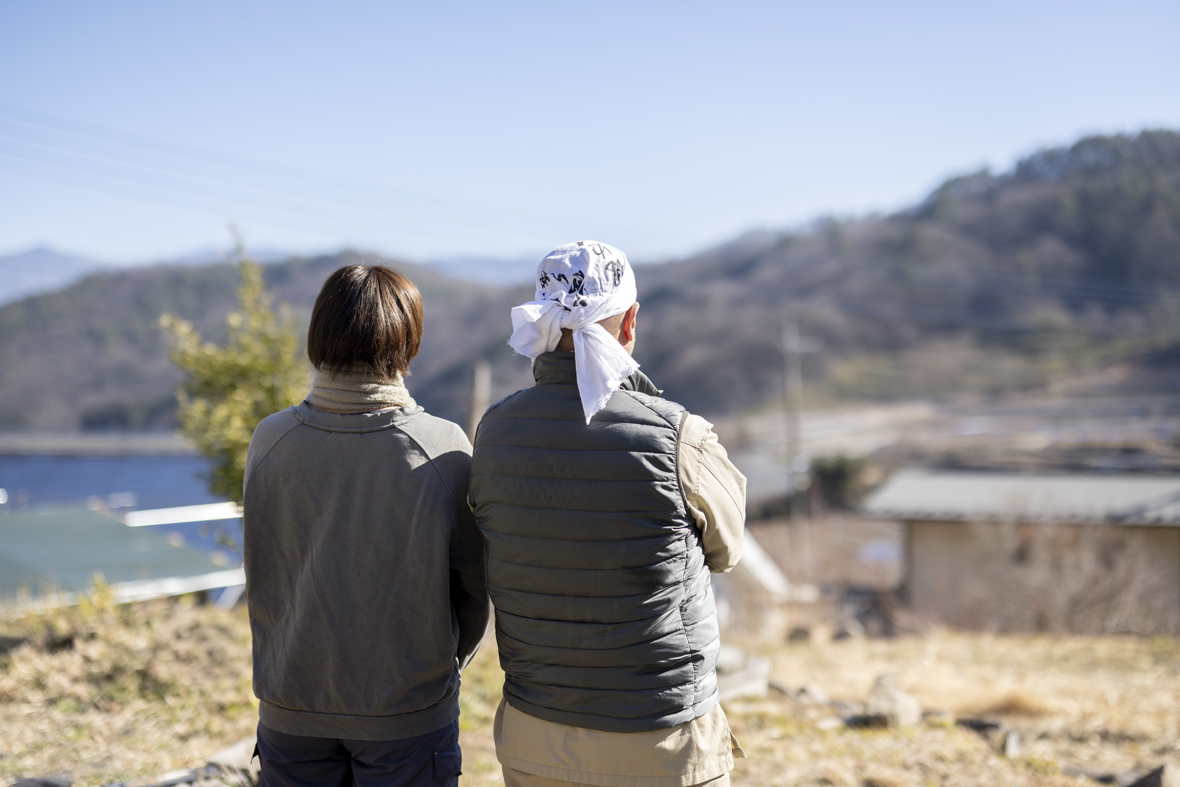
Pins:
x: 578, y: 285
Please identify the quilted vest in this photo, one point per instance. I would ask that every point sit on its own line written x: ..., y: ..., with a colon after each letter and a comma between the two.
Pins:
x: 605, y: 616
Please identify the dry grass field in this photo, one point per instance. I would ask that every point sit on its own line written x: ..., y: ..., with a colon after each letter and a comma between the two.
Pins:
x: 109, y: 693
x: 1102, y: 704
x: 123, y: 693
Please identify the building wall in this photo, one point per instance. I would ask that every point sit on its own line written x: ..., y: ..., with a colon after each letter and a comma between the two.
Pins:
x: 1044, y: 577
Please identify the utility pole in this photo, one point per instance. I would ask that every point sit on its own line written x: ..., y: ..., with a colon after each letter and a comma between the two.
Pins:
x: 794, y: 348
x: 798, y: 479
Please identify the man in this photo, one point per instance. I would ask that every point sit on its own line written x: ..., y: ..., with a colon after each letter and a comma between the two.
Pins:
x: 604, y: 508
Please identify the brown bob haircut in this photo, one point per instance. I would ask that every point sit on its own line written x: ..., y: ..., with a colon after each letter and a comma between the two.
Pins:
x: 366, y: 315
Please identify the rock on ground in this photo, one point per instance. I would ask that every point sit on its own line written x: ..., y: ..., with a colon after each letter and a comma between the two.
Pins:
x: 894, y: 706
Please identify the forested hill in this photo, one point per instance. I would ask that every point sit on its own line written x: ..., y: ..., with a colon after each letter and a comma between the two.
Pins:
x: 1069, y: 259
x: 994, y: 282
x: 91, y: 355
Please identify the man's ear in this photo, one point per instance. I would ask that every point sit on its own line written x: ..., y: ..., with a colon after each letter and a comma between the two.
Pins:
x: 627, y: 330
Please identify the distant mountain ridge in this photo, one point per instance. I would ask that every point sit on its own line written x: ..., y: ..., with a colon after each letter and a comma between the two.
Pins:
x: 995, y: 282
x: 91, y: 355
x: 40, y: 270
x: 495, y: 271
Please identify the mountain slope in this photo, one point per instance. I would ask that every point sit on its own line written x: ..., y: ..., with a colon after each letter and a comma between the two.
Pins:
x: 91, y: 356
x: 1074, y: 247
x: 1070, y: 261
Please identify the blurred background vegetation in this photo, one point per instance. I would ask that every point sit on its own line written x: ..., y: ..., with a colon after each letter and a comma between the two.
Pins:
x: 226, y: 390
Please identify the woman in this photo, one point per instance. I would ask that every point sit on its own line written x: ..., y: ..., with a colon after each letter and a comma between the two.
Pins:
x: 364, y: 568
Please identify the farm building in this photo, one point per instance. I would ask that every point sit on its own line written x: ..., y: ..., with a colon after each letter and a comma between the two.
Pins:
x: 1083, y: 553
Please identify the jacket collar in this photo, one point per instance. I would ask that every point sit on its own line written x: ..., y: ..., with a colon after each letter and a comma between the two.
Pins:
x: 558, y: 368
x: 354, y: 422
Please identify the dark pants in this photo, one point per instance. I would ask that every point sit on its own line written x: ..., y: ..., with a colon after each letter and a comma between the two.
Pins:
x: 430, y: 760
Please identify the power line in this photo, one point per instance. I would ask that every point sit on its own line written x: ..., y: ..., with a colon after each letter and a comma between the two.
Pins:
x: 138, y: 142
x: 189, y: 189
x: 292, y: 219
x: 197, y: 181
x: 364, y: 191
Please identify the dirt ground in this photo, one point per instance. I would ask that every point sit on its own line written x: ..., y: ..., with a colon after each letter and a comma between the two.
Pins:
x: 109, y: 693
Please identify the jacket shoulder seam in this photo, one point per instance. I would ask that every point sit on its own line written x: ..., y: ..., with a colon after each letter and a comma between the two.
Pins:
x: 430, y: 459
x: 636, y: 394
x: 250, y: 470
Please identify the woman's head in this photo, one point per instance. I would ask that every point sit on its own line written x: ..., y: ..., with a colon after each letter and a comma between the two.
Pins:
x: 365, y: 315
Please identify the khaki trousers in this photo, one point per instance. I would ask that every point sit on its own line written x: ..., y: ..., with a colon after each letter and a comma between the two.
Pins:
x: 515, y: 778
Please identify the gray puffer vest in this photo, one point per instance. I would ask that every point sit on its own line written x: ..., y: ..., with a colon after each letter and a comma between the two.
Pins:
x: 605, y: 616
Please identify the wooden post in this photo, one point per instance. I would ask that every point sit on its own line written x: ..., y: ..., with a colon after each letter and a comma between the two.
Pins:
x: 481, y: 391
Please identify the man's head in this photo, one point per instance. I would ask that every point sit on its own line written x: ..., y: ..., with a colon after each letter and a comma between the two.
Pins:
x: 585, y: 301
x: 366, y: 316
x: 593, y: 283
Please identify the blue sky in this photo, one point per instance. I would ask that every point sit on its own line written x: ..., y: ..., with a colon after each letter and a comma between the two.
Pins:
x: 131, y: 131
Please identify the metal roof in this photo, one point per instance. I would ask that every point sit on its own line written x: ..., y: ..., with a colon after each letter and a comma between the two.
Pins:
x: 62, y: 550
x: 1069, y: 498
